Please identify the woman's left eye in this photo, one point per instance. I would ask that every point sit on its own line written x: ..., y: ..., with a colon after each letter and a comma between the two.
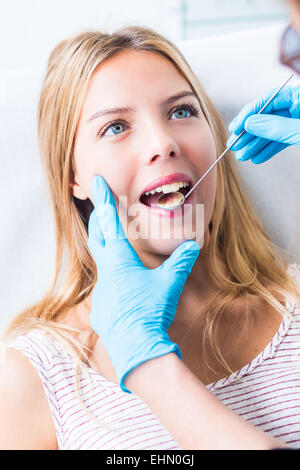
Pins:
x: 188, y: 107
x: 182, y: 108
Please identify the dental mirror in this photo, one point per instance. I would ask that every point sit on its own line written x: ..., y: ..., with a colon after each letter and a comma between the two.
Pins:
x: 173, y: 200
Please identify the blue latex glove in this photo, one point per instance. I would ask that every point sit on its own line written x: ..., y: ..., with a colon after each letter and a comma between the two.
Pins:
x: 270, y: 132
x: 132, y: 306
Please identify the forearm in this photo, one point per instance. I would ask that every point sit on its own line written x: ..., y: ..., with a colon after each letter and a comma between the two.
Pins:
x: 194, y: 416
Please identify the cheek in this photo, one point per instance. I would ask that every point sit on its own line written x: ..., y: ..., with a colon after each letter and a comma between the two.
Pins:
x: 85, y: 164
x: 209, y: 191
x: 205, y: 149
x: 89, y: 164
x: 205, y: 155
x: 199, y: 145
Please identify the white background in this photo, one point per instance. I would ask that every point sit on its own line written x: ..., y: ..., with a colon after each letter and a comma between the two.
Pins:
x: 29, y: 29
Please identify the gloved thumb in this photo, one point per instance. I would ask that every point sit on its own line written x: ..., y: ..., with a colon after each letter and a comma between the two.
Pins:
x: 182, y: 259
x: 276, y: 128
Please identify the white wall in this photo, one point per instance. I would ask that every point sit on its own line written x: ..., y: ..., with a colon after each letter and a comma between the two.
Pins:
x: 29, y: 29
x: 205, y: 18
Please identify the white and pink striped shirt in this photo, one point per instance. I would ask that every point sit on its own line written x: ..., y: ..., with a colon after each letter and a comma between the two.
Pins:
x: 266, y: 392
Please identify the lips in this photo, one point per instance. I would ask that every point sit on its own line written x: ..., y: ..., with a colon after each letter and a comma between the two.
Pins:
x: 174, y: 177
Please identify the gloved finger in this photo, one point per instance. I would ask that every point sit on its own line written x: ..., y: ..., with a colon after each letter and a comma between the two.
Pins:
x: 276, y: 128
x: 182, y: 259
x: 95, y: 235
x: 295, y: 103
x: 96, y: 242
x: 281, y: 102
x: 237, y: 124
x: 250, y: 152
x: 242, y: 142
x: 109, y: 230
x: 247, y: 137
x: 106, y: 211
x: 272, y: 149
x: 251, y: 149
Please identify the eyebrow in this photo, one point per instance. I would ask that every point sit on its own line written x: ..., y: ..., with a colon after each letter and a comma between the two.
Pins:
x: 169, y: 100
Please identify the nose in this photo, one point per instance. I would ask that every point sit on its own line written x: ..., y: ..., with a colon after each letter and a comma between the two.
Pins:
x: 158, y: 144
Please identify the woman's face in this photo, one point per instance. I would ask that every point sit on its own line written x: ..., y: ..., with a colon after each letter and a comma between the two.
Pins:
x: 153, y: 139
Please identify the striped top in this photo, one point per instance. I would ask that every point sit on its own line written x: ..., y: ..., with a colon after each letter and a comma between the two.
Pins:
x: 266, y: 392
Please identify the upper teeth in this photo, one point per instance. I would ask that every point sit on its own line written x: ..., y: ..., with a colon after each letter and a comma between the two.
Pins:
x: 168, y: 188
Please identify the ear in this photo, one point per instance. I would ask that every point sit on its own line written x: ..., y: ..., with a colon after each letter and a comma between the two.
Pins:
x: 78, y: 191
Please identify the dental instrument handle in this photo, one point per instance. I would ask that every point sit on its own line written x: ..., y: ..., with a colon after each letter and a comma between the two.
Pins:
x: 237, y: 138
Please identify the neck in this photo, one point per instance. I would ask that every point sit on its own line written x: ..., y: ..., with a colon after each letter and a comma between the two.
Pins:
x: 198, y: 287
x: 197, y: 290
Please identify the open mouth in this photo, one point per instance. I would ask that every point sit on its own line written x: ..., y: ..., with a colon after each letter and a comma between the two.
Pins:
x: 150, y: 198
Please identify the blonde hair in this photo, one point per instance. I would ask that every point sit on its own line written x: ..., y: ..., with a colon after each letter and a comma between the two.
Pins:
x: 253, y: 265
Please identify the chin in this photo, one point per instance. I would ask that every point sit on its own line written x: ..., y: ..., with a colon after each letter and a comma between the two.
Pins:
x: 162, y: 235
x: 164, y: 247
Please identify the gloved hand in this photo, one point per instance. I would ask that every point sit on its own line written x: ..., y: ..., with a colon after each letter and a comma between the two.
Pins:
x: 270, y: 132
x: 132, y: 306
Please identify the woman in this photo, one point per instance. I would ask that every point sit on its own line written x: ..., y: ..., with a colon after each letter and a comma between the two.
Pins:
x: 175, y: 325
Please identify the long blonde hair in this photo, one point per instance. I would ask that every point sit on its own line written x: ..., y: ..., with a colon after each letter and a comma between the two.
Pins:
x: 253, y: 265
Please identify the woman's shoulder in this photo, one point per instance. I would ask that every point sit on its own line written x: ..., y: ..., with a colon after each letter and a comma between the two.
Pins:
x: 40, y: 346
x: 49, y: 355
x: 26, y: 421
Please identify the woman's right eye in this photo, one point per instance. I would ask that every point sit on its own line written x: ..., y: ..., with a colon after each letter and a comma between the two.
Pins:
x: 110, y: 126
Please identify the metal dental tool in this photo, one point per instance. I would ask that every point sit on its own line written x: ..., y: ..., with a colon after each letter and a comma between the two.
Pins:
x: 176, y: 199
